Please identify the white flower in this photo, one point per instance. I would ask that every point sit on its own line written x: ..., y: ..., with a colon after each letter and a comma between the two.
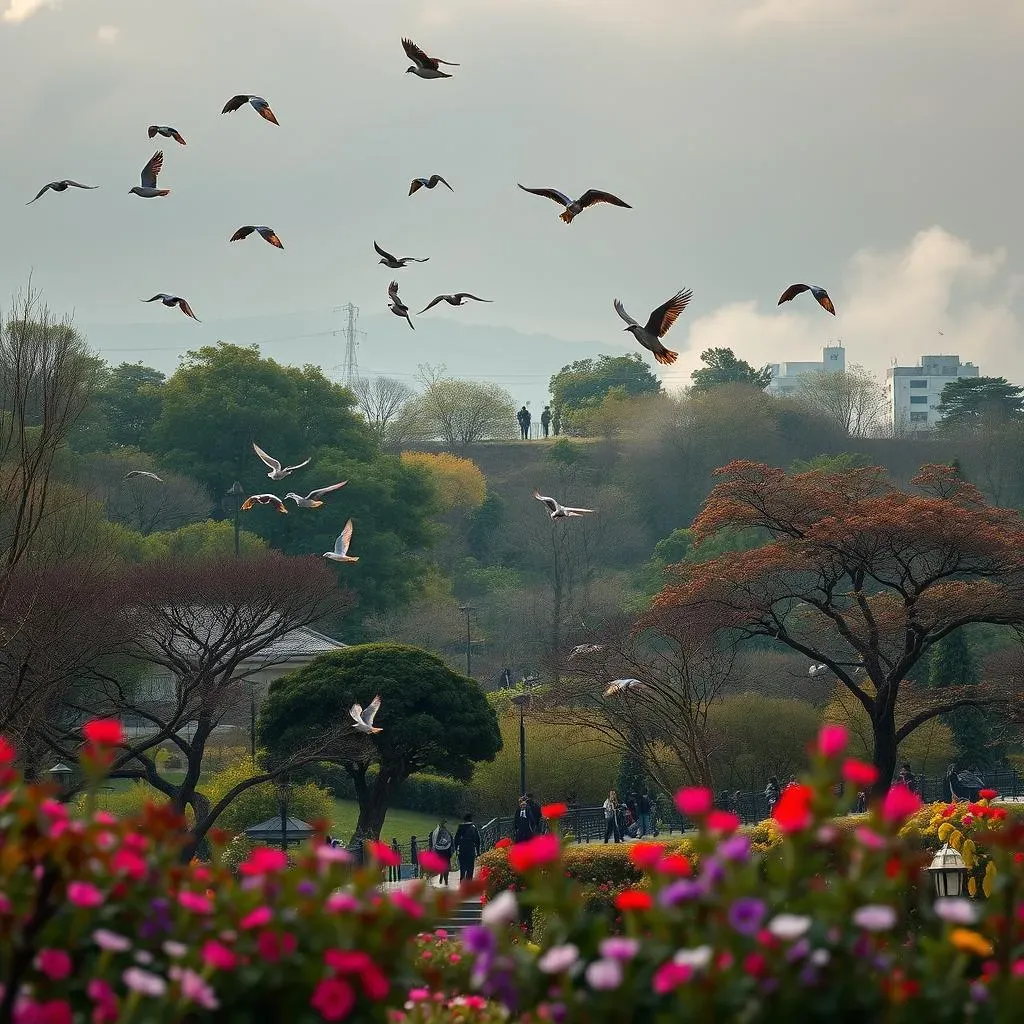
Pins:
x: 502, y: 910
x: 559, y: 959
x: 956, y: 910
x: 875, y: 917
x: 788, y: 926
x: 697, y: 958
x: 820, y: 957
x: 144, y: 982
x: 175, y: 949
x: 109, y: 940
x: 604, y: 975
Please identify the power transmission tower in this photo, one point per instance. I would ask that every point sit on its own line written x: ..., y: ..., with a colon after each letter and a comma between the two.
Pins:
x: 350, y: 365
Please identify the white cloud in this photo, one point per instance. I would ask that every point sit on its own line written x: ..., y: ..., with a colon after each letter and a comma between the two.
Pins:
x: 891, y: 305
x: 19, y: 10
x: 108, y: 33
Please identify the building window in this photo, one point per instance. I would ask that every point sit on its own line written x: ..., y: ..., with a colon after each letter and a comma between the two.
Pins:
x: 918, y: 399
x: 919, y: 383
x: 919, y: 417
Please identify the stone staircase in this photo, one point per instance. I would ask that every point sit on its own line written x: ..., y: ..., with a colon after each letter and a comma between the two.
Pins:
x: 465, y: 914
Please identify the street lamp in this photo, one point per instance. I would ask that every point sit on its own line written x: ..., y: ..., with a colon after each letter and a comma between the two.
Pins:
x: 468, y: 611
x: 237, y: 492
x: 949, y: 871
x: 521, y: 700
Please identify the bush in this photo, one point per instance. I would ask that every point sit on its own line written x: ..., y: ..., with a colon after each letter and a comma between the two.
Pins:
x: 423, y: 792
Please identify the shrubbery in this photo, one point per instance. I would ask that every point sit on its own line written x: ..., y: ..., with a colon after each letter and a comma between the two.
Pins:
x: 425, y: 793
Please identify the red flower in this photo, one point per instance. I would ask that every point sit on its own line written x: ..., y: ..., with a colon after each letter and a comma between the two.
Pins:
x: 554, y: 811
x: 503, y: 844
x: 54, y: 963
x: 675, y: 864
x: 533, y: 853
x: 646, y: 855
x: 633, y: 899
x: 893, y: 867
x: 899, y: 804
x: 832, y: 740
x: 218, y: 956
x: 347, y: 961
x: 125, y: 862
x: 6, y: 752
x: 723, y: 821
x: 792, y: 812
x: 273, y: 947
x: 949, y: 810
x: 859, y: 773
x: 264, y: 861
x: 694, y: 801
x: 103, y: 731
x: 754, y: 964
x: 333, y: 999
x: 988, y: 794
x: 434, y: 863
x: 383, y: 853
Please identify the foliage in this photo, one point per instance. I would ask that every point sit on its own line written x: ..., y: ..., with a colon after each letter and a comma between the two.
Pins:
x: 722, y: 367
x: 968, y: 401
x: 585, y: 383
x: 381, y: 400
x: 852, y: 399
x: 202, y: 541
x: 422, y: 792
x: 485, y: 526
x: 831, y: 463
x: 457, y: 481
x: 129, y: 400
x: 463, y: 412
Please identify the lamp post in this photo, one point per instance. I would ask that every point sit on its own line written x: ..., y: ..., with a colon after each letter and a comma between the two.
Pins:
x: 949, y: 872
x: 468, y: 611
x: 237, y: 491
x: 252, y: 722
x: 521, y: 700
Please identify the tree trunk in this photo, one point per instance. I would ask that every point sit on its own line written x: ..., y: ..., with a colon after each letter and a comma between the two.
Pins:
x: 883, y: 723
x: 373, y: 805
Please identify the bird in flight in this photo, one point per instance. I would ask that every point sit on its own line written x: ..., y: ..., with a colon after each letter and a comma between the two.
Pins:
x: 143, y: 472
x: 458, y: 299
x: 174, y: 300
x: 396, y: 262
x: 582, y: 649
x: 277, y: 471
x: 559, y: 511
x: 815, y: 669
x: 574, y: 207
x: 364, y: 719
x: 819, y: 293
x: 258, y: 103
x: 264, y: 499
x: 422, y: 65
x: 657, y: 325
x: 59, y: 186
x: 431, y: 182
x: 150, y: 172
x: 340, y: 552
x: 396, y: 305
x: 621, y: 685
x: 267, y: 234
x: 167, y: 132
x: 312, y: 500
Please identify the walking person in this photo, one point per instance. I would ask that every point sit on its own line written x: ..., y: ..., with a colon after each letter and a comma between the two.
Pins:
x: 772, y: 792
x: 468, y: 843
x: 545, y: 419
x: 643, y: 809
x: 414, y: 856
x: 395, y: 871
x: 523, y: 416
x: 535, y: 815
x: 522, y: 824
x: 611, y: 818
x: 442, y: 844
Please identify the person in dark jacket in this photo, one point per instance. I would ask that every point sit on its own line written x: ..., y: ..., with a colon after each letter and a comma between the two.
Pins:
x: 467, y: 843
x: 522, y: 823
x: 536, y: 816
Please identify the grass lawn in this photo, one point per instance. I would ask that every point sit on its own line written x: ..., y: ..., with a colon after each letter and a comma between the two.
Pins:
x: 398, y: 824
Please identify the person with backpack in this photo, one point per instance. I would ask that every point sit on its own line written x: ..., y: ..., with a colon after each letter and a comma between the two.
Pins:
x: 442, y: 843
x: 468, y: 843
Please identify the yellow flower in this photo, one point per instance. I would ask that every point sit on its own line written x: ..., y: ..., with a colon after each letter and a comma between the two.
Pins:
x: 956, y: 840
x: 970, y: 942
x: 972, y: 887
x: 986, y: 885
x: 969, y: 853
x: 944, y: 830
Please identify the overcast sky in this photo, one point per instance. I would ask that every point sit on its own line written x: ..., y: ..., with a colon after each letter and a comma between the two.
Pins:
x: 870, y: 146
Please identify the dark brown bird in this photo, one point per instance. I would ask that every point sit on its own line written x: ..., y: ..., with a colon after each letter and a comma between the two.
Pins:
x: 59, y: 186
x: 574, y: 207
x: 396, y: 305
x: 458, y: 299
x: 418, y: 183
x: 172, y: 301
x: 422, y: 65
x: 657, y: 325
x: 167, y: 132
x: 150, y: 173
x: 267, y: 234
x: 258, y: 103
x: 819, y: 293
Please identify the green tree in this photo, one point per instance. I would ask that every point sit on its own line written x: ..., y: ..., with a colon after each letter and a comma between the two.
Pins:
x: 130, y: 398
x: 461, y: 412
x: 722, y: 367
x: 432, y: 719
x: 585, y: 383
x: 969, y: 401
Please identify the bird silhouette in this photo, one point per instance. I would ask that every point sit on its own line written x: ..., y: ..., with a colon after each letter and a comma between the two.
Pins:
x: 312, y: 500
x: 431, y: 182
x: 174, y: 300
x: 458, y: 299
x: 258, y: 103
x: 59, y: 186
x: 574, y: 207
x: 277, y: 471
x: 340, y: 552
x: 396, y: 262
x: 264, y: 499
x: 267, y: 234
x: 422, y: 65
x: 148, y: 189
x: 396, y: 305
x: 819, y: 293
x: 166, y: 131
x: 560, y: 511
x: 657, y: 325
x: 364, y: 719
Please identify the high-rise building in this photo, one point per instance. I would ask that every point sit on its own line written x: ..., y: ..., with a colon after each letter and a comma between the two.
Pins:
x: 786, y: 376
x: 912, y: 393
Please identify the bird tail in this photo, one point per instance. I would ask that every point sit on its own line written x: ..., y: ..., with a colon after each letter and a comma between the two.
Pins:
x: 164, y: 192
x: 566, y: 216
x: 666, y: 356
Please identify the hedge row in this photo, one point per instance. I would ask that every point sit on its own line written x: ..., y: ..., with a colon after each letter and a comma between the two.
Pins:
x: 427, y: 794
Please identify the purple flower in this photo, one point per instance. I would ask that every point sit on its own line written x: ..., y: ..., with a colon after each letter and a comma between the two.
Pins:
x: 809, y: 976
x: 111, y: 941
x: 956, y: 910
x: 978, y: 992
x: 604, y: 975
x: 679, y: 892
x: 875, y: 917
x: 746, y: 915
x: 479, y: 940
x: 735, y: 848
x: 144, y: 982
x: 619, y: 948
x: 711, y: 874
x: 559, y: 959
x: 798, y: 950
x: 306, y: 888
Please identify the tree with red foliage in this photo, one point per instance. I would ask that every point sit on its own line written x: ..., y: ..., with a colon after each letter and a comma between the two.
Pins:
x: 861, y: 577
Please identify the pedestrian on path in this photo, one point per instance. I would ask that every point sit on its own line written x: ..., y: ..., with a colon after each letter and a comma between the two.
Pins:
x: 441, y: 843
x: 468, y: 843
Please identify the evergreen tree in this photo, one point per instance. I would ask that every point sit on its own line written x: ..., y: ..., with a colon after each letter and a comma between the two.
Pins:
x: 632, y: 777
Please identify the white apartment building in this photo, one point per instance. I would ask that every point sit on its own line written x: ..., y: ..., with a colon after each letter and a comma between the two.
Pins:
x: 786, y: 376
x: 912, y: 393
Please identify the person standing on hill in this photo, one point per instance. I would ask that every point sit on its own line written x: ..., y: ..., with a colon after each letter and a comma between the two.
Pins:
x: 545, y: 419
x: 467, y: 842
x: 523, y: 416
x: 522, y: 824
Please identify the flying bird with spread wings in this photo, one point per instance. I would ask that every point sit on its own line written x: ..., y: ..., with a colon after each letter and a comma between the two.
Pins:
x: 574, y: 207
x: 619, y: 686
x: 581, y: 649
x: 166, y: 131
x: 59, y: 186
x: 422, y: 65
x: 264, y: 499
x: 396, y: 262
x: 277, y: 471
x: 174, y: 300
x: 258, y: 103
x: 364, y: 719
x: 559, y: 511
x: 658, y: 324
x: 458, y: 299
x: 341, y: 546
x: 313, y: 499
x: 815, y: 669
x: 148, y: 189
x: 819, y: 293
x: 417, y: 183
x: 396, y: 305
x: 267, y: 234
x: 143, y: 472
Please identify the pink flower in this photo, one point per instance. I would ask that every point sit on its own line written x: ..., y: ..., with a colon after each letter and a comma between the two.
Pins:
x: 723, y: 821
x: 195, y: 902
x: 872, y: 840
x: 103, y: 731
x: 341, y: 903
x: 406, y: 903
x: 128, y: 862
x: 383, y: 853
x: 84, y: 894
x: 347, y: 961
x: 899, y: 804
x: 144, y: 982
x: 534, y: 853
x: 333, y: 855
x: 218, y: 956
x: 105, y: 1011
x: 694, y: 801
x: 434, y: 863
x: 832, y: 740
x: 559, y: 959
x: 264, y: 861
x: 419, y: 995
x: 792, y: 812
x: 670, y: 976
x: 193, y: 988
x: 333, y: 999
x: 273, y: 946
x: 257, y: 918
x: 859, y: 773
x: 175, y: 950
x: 875, y: 917
x: 54, y: 1012
x: 604, y: 975
x: 6, y: 752
x: 54, y: 963
x: 111, y: 941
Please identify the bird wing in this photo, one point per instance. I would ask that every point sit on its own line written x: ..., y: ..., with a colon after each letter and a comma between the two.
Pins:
x: 393, y: 293
x: 550, y: 502
x: 415, y: 185
x: 665, y: 315
x: 548, y: 193
x: 593, y: 195
x: 381, y: 252
x: 621, y: 310
x: 234, y: 104
x: 176, y: 135
x: 371, y: 710
x: 266, y: 113
x: 262, y: 499
x: 269, y: 460
x: 324, y: 490
x: 344, y: 539
x: 823, y: 300
x: 435, y: 178
x: 152, y: 169
x: 187, y: 309
x: 38, y: 194
x: 417, y: 56
x: 578, y: 511
x: 459, y: 296
x: 270, y: 235
x: 792, y: 292
x: 152, y: 130
x: 356, y: 711
x: 242, y: 232
x: 300, y: 465
x: 431, y: 304
x: 78, y: 184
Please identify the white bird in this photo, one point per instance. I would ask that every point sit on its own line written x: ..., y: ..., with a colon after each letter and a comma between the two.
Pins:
x: 267, y: 234
x: 559, y: 511
x: 458, y: 299
x: 396, y: 262
x: 59, y: 186
x: 264, y: 499
x: 574, y: 207
x: 258, y: 103
x: 815, y: 669
x: 621, y: 685
x: 340, y: 552
x: 150, y: 173
x: 422, y: 65
x: 396, y: 305
x: 277, y: 471
x: 166, y: 131
x: 364, y: 719
x: 657, y: 325
x: 142, y: 472
x: 312, y: 500
x: 172, y: 301
x: 417, y: 183
x: 582, y: 649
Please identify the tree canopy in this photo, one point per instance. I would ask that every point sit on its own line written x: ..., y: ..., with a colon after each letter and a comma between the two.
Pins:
x: 852, y: 399
x: 129, y: 400
x: 968, y: 401
x: 722, y: 367
x: 461, y: 412
x: 585, y: 383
